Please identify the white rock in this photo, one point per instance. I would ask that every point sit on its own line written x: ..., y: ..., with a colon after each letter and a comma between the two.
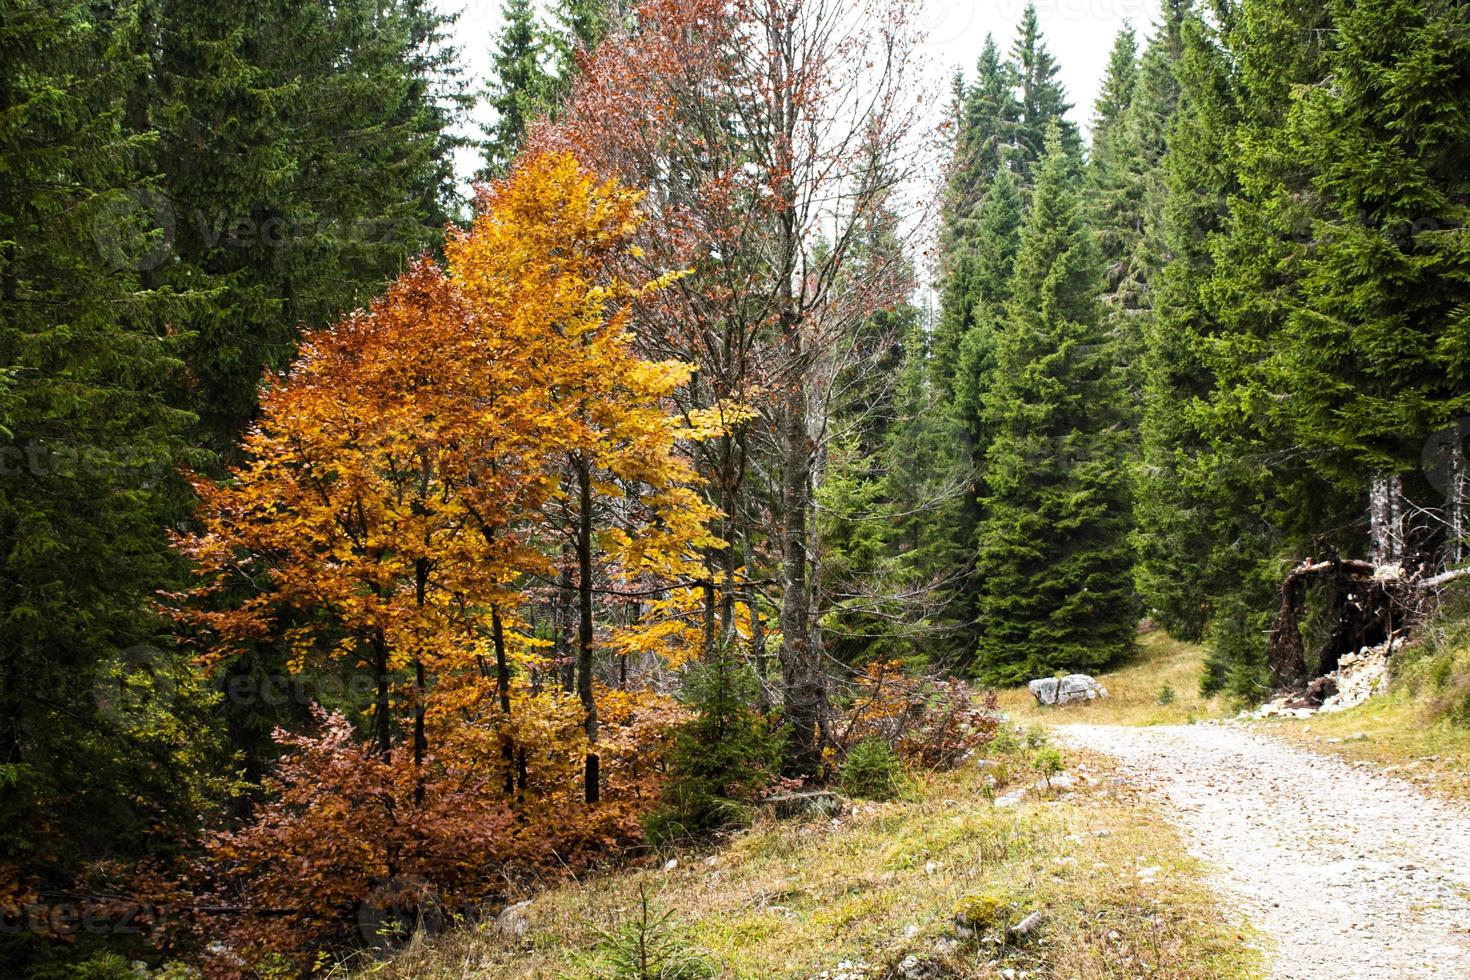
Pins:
x: 1065, y: 690
x: 514, y: 920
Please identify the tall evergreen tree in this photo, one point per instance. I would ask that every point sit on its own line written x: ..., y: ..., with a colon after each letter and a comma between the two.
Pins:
x: 928, y: 489
x: 1125, y: 169
x: 581, y: 25
x: 1176, y: 521
x: 993, y: 249
x: 1041, y: 102
x: 1377, y: 353
x: 522, y: 88
x: 1053, y: 557
x: 103, y: 737
x: 1266, y: 504
x: 1115, y: 194
x: 985, y: 115
x: 303, y: 152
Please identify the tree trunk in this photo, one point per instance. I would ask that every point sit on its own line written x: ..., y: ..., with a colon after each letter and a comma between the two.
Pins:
x: 563, y: 625
x: 801, y: 679
x: 502, y: 688
x: 420, y: 737
x: 1446, y: 467
x: 420, y: 688
x: 1455, y: 503
x: 380, y: 704
x: 1385, y: 520
x: 709, y: 619
x: 584, y: 624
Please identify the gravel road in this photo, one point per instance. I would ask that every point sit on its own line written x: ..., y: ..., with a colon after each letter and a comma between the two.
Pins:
x: 1350, y: 874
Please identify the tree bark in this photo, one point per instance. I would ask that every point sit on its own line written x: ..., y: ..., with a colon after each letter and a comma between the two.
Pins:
x: 584, y: 625
x: 420, y: 736
x: 802, y: 684
x: 502, y: 688
x: 562, y: 617
x: 1455, y: 504
x: 380, y: 703
x: 1385, y: 519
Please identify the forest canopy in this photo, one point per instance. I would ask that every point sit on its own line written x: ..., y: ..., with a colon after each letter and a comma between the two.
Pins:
x: 368, y: 551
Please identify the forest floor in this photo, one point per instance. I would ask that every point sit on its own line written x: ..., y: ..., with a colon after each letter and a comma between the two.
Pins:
x: 871, y: 894
x: 1186, y: 844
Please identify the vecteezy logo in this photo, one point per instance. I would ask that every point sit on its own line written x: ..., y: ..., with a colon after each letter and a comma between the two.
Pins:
x: 134, y: 684
x: 396, y: 909
x: 1444, y: 458
x: 135, y: 229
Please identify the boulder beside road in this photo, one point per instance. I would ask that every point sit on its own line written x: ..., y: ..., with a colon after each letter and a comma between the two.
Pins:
x: 1066, y: 690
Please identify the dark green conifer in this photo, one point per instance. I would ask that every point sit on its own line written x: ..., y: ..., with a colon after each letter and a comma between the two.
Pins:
x: 1053, y: 562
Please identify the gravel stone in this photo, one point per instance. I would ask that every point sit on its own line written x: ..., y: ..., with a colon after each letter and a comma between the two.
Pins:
x: 1351, y: 874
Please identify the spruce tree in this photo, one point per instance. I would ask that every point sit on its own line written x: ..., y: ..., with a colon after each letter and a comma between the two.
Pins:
x: 1266, y: 504
x: 303, y: 152
x: 104, y: 748
x: 521, y: 88
x: 984, y: 119
x: 985, y: 114
x: 992, y: 250
x: 1053, y: 560
x: 1114, y: 193
x: 927, y: 489
x: 1175, y: 533
x: 581, y: 25
x: 1375, y: 354
x: 1041, y: 102
x: 1125, y: 169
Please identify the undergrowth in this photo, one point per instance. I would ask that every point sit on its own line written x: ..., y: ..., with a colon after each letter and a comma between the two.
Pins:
x: 885, y: 881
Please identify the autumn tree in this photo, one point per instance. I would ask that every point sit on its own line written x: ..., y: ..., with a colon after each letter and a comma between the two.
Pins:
x: 397, y: 488
x: 613, y: 438
x: 742, y: 121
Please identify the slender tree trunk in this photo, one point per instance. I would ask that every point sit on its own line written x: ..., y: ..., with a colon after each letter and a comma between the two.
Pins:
x: 564, y: 625
x: 420, y: 687
x: 1385, y: 519
x: 1455, y: 503
x: 502, y: 688
x: 420, y: 736
x: 380, y: 703
x: 709, y: 620
x: 800, y: 671
x: 757, y: 627
x: 584, y: 624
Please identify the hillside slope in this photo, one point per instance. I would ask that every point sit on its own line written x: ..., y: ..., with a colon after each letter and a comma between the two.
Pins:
x: 873, y: 893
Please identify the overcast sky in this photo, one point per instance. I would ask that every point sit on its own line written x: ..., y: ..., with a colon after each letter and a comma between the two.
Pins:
x: 1078, y: 32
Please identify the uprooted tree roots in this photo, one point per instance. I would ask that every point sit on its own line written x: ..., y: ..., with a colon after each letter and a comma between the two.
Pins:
x: 1360, y: 606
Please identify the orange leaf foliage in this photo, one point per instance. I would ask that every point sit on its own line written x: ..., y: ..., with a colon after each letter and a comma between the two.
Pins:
x: 407, y: 477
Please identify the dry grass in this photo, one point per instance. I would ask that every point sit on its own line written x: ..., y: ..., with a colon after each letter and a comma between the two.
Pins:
x: 793, y: 899
x: 1419, y: 730
x: 1135, y: 691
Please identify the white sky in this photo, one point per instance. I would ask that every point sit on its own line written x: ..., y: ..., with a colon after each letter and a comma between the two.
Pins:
x: 1079, y: 34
